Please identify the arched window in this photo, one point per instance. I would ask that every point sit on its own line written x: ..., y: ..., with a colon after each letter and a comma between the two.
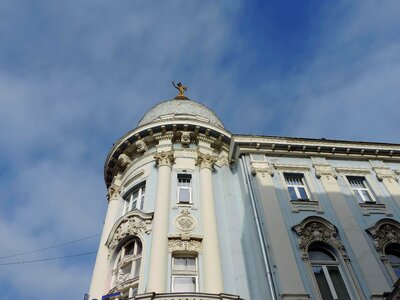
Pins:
x: 126, y: 271
x: 392, y: 252
x: 326, y: 270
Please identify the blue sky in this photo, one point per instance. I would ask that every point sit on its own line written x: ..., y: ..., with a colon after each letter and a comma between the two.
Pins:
x: 77, y: 75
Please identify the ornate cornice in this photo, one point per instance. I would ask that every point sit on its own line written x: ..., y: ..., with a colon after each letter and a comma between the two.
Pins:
x: 205, y: 160
x: 316, y: 229
x: 385, y: 232
x: 324, y: 170
x: 185, y: 242
x: 164, y: 158
x: 385, y: 173
x: 134, y: 223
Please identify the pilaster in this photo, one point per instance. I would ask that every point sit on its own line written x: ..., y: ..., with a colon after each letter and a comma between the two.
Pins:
x: 390, y: 181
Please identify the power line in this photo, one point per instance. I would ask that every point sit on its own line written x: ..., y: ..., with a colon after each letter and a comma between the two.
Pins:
x: 50, y: 247
x: 46, y: 259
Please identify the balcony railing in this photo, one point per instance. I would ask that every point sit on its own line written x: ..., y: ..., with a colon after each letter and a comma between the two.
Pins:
x: 185, y: 296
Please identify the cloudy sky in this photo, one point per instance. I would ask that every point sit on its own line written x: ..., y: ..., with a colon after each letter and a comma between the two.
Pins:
x: 76, y: 75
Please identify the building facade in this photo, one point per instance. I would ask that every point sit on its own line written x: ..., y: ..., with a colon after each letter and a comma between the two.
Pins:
x: 196, y: 212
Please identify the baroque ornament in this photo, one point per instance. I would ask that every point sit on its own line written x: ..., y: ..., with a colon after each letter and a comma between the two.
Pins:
x: 124, y: 160
x: 185, y: 222
x: 164, y: 158
x: 315, y: 229
x: 113, y: 192
x: 385, y: 232
x: 130, y: 225
x: 140, y: 146
x: 206, y: 160
x: 185, y: 243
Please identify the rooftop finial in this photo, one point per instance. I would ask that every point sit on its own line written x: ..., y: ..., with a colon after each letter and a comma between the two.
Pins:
x: 181, y: 88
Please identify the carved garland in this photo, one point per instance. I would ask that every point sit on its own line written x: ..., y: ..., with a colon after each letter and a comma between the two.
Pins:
x: 315, y: 229
x: 184, y: 242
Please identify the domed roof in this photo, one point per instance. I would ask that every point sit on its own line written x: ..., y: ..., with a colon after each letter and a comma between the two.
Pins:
x: 177, y: 109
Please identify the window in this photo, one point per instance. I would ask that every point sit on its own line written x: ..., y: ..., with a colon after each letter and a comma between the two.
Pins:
x: 327, y: 274
x: 184, y: 188
x: 184, y: 274
x: 135, y: 199
x: 127, y: 267
x: 392, y: 252
x: 296, y: 187
x: 360, y: 189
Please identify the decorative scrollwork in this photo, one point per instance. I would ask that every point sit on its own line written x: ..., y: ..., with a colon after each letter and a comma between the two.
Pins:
x: 385, y: 232
x: 164, y: 158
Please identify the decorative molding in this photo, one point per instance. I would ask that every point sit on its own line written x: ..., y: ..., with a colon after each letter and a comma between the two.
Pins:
x: 185, y: 242
x: 164, y: 158
x: 301, y: 205
x: 261, y: 168
x: 324, y: 170
x: 292, y: 168
x: 369, y: 208
x: 353, y: 171
x: 140, y: 146
x: 316, y: 229
x: 385, y: 232
x: 184, y: 222
x: 385, y: 173
x: 124, y: 160
x: 133, y: 177
x: 113, y: 192
x: 205, y: 160
x: 133, y: 223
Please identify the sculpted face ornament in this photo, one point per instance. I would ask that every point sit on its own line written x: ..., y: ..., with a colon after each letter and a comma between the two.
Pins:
x: 141, y: 146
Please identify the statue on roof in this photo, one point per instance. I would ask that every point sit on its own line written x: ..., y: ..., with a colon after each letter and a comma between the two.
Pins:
x: 181, y: 88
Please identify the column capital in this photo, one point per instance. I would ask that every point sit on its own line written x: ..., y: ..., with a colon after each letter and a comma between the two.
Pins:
x: 385, y: 173
x: 164, y: 158
x: 324, y: 170
x: 205, y: 160
x: 113, y: 192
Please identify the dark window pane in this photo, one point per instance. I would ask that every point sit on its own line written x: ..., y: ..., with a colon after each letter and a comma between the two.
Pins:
x: 338, y: 283
x: 303, y: 194
x: 321, y: 255
x: 292, y: 192
x: 322, y: 283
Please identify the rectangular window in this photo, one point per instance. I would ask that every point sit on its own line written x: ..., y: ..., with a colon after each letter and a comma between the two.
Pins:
x: 360, y: 189
x: 184, y: 274
x: 184, y: 188
x: 135, y: 199
x: 296, y: 187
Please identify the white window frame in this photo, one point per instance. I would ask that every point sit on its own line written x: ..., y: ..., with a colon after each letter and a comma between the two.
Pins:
x: 129, y: 200
x: 184, y: 176
x: 358, y: 191
x: 324, y: 265
x: 296, y: 186
x: 184, y: 273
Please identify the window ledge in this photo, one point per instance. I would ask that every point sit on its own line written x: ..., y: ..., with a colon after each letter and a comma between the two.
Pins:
x: 372, y: 207
x: 306, y: 205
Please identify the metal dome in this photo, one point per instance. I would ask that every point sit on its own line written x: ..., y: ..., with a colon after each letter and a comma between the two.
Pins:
x: 180, y: 109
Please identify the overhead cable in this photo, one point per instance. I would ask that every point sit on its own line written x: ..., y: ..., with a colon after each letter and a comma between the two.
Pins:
x: 50, y: 247
x: 46, y: 259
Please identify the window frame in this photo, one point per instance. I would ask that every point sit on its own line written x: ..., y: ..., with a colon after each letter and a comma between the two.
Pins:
x: 324, y: 265
x: 286, y: 176
x: 357, y: 191
x: 184, y: 273
x: 395, y: 275
x: 184, y: 176
x: 140, y: 199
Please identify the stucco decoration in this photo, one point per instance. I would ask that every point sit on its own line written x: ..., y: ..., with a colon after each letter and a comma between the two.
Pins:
x: 385, y: 173
x: 140, y: 146
x: 177, y: 109
x: 185, y: 222
x: 317, y: 229
x: 385, y: 232
x: 185, y: 242
x: 261, y: 168
x: 134, y: 223
x: 124, y: 160
x: 164, y: 158
x: 205, y: 160
x: 324, y: 170
x: 113, y: 192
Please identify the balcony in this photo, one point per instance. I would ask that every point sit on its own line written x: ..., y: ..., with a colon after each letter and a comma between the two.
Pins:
x: 186, y: 296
